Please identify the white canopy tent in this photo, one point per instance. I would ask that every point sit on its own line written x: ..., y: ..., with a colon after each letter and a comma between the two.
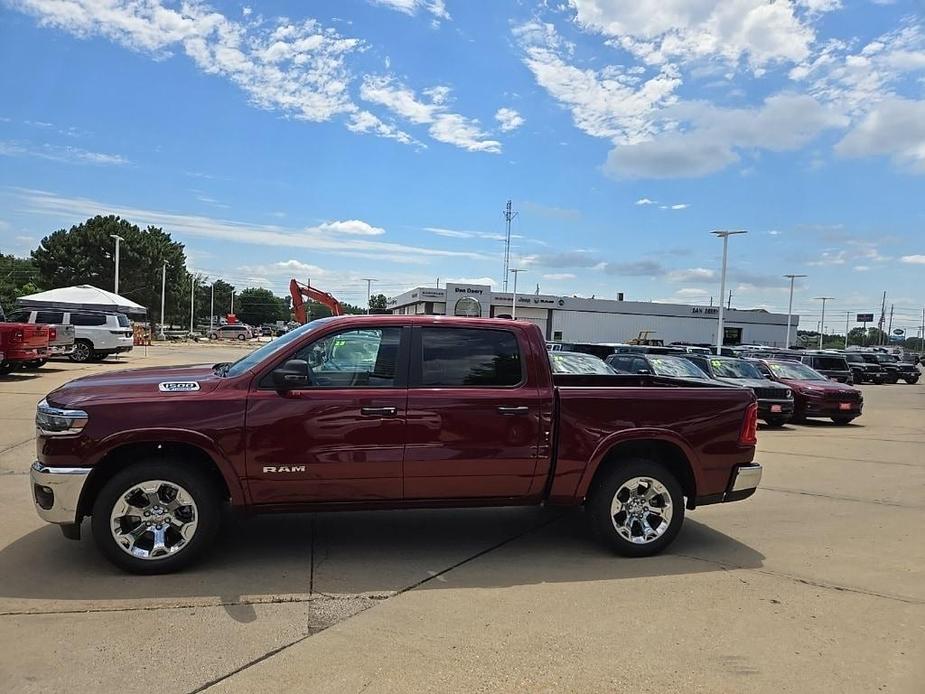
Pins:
x: 82, y: 296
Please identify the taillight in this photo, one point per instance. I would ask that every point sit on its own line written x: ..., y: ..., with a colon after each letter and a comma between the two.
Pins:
x: 748, y: 435
x: 52, y: 334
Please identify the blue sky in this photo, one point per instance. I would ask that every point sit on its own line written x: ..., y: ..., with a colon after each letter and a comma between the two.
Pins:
x: 381, y: 138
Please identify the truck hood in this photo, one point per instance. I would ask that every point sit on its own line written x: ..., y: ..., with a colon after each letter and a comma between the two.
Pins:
x: 823, y: 388
x: 752, y: 382
x: 137, y: 383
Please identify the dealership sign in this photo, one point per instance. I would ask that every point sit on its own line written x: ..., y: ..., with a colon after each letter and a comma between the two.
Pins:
x: 865, y: 318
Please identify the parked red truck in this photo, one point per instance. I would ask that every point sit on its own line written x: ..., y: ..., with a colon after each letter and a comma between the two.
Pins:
x: 20, y: 344
x: 383, y: 412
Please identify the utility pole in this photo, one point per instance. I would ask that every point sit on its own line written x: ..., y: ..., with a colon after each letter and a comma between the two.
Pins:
x: 889, y: 330
x: 882, y: 319
x: 509, y: 215
x: 515, y: 272
x: 823, y: 299
x: 212, y: 308
x: 790, y: 308
x: 118, y: 239
x: 724, y: 235
x: 163, y: 294
x: 369, y: 283
x: 192, y: 297
x: 729, y: 305
x: 847, y: 318
x: 922, y: 345
x: 232, y: 303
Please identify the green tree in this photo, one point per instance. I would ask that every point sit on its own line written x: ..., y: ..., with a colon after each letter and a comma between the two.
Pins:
x: 84, y: 254
x: 204, y: 302
x: 17, y: 278
x: 256, y: 306
x: 378, y: 303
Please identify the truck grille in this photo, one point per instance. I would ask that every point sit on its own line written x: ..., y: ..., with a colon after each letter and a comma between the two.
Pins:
x: 848, y: 396
x: 769, y: 393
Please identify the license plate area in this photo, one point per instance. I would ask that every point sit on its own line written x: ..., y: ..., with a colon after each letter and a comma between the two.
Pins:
x: 844, y: 405
x: 776, y: 408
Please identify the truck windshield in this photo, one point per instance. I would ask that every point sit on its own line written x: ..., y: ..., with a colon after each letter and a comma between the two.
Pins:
x: 733, y: 368
x: 577, y: 363
x: 798, y: 372
x: 271, y: 348
x: 676, y: 367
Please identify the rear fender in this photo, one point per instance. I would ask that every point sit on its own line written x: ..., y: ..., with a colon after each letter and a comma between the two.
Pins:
x: 637, y: 435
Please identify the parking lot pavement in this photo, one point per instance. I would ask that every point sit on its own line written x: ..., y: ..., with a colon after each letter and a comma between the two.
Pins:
x: 817, y: 583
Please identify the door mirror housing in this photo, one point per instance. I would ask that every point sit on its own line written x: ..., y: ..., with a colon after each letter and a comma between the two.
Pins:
x: 292, y: 375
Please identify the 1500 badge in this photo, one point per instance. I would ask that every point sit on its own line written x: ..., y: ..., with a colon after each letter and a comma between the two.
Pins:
x: 177, y: 386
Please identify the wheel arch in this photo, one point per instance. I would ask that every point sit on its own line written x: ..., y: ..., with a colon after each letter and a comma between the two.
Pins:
x: 124, y: 453
x: 657, y: 448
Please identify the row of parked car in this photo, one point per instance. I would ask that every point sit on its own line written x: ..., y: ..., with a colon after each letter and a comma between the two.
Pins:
x: 790, y: 386
x: 28, y: 338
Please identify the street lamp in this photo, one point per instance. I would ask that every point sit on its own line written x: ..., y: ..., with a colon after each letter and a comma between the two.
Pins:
x: 163, y: 294
x: 724, y: 235
x: 823, y: 299
x: 212, y: 307
x: 118, y: 239
x: 515, y: 272
x: 369, y: 284
x: 790, y: 308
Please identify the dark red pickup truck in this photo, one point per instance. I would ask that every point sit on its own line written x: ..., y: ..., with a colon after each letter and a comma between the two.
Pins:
x: 21, y: 343
x: 383, y: 412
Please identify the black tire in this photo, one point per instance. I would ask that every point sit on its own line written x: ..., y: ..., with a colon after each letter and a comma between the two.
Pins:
x: 602, y: 496
x: 83, y: 351
x: 842, y: 421
x: 878, y: 381
x: 35, y: 363
x: 776, y: 421
x: 242, y: 337
x: 912, y: 380
x: 99, y: 356
x: 200, y: 487
x: 6, y: 368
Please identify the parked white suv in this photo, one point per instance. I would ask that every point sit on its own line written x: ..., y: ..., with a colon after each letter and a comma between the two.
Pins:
x: 231, y: 332
x: 98, y: 334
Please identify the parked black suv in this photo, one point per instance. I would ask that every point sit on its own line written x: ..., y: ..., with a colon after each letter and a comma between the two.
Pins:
x: 833, y: 366
x: 775, y: 400
x: 865, y: 371
x: 893, y: 368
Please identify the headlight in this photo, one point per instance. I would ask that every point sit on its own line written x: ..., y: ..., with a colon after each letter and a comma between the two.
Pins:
x: 51, y: 421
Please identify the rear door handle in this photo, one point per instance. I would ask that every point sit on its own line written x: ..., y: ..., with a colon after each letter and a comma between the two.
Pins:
x: 502, y: 409
x: 379, y: 411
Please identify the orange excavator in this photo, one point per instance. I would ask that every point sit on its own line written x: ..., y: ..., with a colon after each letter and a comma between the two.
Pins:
x: 300, y: 292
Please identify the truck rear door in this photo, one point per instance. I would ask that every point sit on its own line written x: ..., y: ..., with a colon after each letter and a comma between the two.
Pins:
x: 474, y: 414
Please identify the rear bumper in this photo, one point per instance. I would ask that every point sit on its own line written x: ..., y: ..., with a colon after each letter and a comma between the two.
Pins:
x: 743, y: 482
x: 60, y: 350
x: 56, y: 491
x: 26, y: 354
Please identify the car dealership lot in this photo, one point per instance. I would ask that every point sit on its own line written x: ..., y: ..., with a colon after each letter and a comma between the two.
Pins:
x: 816, y: 582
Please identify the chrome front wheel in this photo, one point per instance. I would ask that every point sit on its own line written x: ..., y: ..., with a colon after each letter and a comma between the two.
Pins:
x: 154, y: 519
x: 641, y: 510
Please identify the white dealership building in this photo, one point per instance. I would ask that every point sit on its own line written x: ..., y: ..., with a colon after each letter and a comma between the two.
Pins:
x: 577, y: 319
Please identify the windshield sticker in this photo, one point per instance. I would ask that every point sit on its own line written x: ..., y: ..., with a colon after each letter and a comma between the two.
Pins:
x: 716, y: 363
x: 177, y: 386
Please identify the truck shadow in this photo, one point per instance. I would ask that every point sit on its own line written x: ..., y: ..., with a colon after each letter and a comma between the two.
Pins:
x: 287, y: 557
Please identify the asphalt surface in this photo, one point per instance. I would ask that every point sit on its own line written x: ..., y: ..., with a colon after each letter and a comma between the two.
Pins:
x: 816, y: 583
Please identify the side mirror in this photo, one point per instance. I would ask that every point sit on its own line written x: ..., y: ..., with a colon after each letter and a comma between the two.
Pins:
x: 291, y: 375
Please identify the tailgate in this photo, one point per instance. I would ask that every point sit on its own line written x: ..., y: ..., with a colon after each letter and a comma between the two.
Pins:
x: 33, y: 335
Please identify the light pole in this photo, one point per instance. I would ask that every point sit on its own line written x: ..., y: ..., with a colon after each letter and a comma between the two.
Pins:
x: 823, y: 299
x: 847, y: 318
x: 163, y: 294
x: 192, y: 297
x: 515, y: 272
x: 790, y: 308
x: 724, y: 235
x: 369, y: 287
x: 118, y: 239
x: 212, y: 308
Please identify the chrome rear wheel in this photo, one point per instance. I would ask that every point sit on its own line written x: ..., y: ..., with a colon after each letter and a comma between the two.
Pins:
x: 641, y: 510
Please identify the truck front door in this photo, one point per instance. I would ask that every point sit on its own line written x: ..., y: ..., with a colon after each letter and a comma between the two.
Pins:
x: 342, y: 436
x: 473, y: 419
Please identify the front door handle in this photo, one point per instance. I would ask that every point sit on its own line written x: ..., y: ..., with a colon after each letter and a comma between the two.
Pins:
x: 378, y: 411
x: 502, y: 409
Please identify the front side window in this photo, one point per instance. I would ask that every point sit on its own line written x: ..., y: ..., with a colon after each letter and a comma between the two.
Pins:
x: 366, y: 358
x: 469, y: 357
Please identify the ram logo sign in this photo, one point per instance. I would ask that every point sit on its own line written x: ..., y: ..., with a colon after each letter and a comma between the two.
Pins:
x: 284, y: 468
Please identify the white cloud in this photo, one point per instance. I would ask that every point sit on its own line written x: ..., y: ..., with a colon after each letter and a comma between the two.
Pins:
x: 644, y: 201
x: 894, y: 128
x: 353, y: 227
x: 556, y: 276
x: 324, y: 238
x: 471, y: 280
x: 714, y: 136
x: 444, y: 126
x: 680, y: 206
x: 435, y: 7
x: 70, y: 155
x: 469, y: 234
x: 366, y: 122
x: 757, y: 31
x: 694, y: 274
x: 861, y: 268
x: 509, y: 119
x: 914, y: 259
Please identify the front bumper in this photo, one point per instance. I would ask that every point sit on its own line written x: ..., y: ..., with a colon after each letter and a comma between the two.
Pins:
x: 833, y: 408
x: 774, y: 408
x: 56, y: 491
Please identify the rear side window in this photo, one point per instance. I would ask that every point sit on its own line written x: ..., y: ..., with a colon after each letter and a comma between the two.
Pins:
x: 19, y: 317
x: 123, y: 320
x: 469, y: 357
x: 88, y: 319
x: 49, y: 317
x: 830, y: 364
